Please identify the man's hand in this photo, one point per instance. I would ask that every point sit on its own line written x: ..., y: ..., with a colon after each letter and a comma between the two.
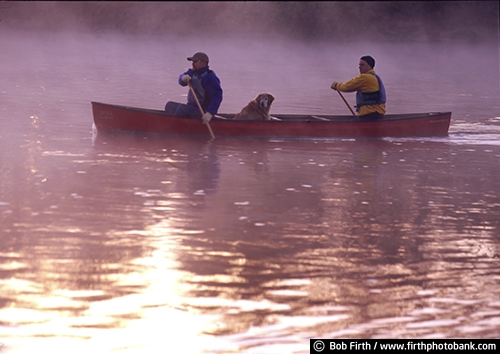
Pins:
x: 334, y: 85
x: 185, y: 79
x: 206, y: 117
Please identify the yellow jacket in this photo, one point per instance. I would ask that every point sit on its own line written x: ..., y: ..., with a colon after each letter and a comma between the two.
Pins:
x: 366, y: 82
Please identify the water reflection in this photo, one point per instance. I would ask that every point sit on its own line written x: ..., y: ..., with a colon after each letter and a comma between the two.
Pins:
x: 253, y: 243
x: 123, y: 243
x: 302, y: 244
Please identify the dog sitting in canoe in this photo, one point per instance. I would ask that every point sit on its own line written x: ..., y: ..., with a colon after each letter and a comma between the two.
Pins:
x: 257, y: 109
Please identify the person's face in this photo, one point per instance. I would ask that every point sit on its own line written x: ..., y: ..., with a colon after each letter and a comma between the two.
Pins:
x: 198, y: 64
x: 364, y: 67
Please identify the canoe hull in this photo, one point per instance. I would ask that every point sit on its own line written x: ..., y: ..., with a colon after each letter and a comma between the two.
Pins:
x: 114, y: 118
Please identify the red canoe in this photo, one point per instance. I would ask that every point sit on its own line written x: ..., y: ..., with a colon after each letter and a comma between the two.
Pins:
x: 114, y: 118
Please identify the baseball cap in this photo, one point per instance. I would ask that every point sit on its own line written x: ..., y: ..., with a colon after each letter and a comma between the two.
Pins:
x: 199, y: 56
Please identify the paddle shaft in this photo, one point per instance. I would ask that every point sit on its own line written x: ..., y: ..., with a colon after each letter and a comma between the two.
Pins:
x: 346, y: 103
x: 201, y: 109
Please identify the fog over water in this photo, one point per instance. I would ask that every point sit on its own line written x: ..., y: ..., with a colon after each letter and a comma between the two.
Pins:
x: 343, y: 20
x: 134, y: 243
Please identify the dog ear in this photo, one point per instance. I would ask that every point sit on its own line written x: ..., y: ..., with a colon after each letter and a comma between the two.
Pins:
x: 270, y: 98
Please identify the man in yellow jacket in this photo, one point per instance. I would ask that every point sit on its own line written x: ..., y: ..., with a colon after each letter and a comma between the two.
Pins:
x: 370, y: 90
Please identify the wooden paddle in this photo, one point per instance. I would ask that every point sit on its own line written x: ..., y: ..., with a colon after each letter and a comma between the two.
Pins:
x: 347, y: 103
x: 201, y: 109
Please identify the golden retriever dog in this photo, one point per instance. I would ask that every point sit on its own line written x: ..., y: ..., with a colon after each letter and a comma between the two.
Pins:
x: 257, y: 109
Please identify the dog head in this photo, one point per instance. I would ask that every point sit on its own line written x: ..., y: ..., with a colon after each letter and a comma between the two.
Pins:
x: 265, y: 100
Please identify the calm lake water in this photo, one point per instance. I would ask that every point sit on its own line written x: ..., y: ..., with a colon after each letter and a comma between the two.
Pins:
x: 152, y: 244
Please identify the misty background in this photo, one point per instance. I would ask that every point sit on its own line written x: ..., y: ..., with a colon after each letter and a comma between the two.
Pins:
x: 407, y: 21
x: 122, y: 243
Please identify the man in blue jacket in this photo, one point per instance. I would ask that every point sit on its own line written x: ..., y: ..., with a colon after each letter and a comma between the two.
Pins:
x: 207, y: 87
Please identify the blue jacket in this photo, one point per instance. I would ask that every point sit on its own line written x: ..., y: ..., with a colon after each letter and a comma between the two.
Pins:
x: 206, y: 84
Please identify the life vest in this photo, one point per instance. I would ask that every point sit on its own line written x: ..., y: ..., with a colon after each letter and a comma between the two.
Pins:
x: 371, y: 98
x: 198, y: 88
